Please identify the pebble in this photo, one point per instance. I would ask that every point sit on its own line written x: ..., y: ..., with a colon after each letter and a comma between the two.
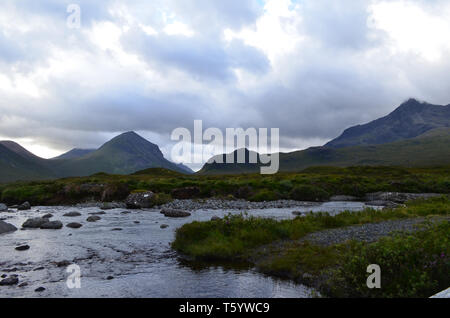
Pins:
x: 22, y: 248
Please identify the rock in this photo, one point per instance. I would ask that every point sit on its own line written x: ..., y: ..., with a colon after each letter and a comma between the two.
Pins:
x: 164, y: 226
x: 12, y: 280
x: 52, y: 225
x: 343, y: 198
x: 48, y: 216
x: 39, y: 289
x: 93, y: 218
x: 6, y: 227
x: 215, y: 218
x: 24, y: 206
x: 97, y: 213
x: 23, y: 285
x: 125, y: 212
x: 74, y: 225
x: 116, y: 229
x: 185, y: 193
x: 72, y: 214
x: 38, y: 269
x: 4, y: 276
x: 172, y: 213
x: 398, y: 197
x: 142, y: 200
x: 109, y: 277
x: 3, y: 207
x: 22, y: 248
x: 34, y: 223
x: 298, y: 213
x: 137, y: 222
x: 64, y: 263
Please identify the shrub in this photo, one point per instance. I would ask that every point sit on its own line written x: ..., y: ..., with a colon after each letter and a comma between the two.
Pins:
x: 308, y: 193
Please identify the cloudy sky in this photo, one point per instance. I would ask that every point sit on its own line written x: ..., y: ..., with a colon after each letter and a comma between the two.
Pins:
x: 309, y: 67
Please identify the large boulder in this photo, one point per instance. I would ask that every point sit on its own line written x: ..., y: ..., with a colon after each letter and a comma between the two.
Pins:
x: 141, y: 200
x: 35, y: 223
x: 172, y: 213
x: 93, y: 218
x: 52, y: 225
x: 6, y: 227
x: 24, y: 206
x: 12, y: 280
x: 3, y: 207
x: 185, y: 193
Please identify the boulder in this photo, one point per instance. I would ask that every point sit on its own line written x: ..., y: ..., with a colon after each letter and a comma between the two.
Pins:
x: 24, y: 206
x: 72, y: 214
x: 22, y: 248
x: 97, y: 213
x: 112, y: 205
x: 185, y: 193
x: 3, y: 207
x: 142, y: 200
x: 6, y: 227
x: 34, y: 223
x: 52, y: 225
x: 172, y: 213
x: 48, y: 216
x: 74, y: 225
x: 93, y: 218
x: 39, y: 289
x: 12, y: 280
x: 298, y: 213
x: 164, y: 226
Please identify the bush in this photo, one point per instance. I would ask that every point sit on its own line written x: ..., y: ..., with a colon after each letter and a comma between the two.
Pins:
x: 265, y: 195
x: 415, y: 265
x: 308, y: 193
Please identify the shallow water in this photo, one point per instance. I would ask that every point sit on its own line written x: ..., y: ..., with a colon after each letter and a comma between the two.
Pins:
x: 138, y: 257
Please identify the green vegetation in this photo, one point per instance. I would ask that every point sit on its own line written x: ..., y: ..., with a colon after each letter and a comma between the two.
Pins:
x: 415, y: 265
x: 311, y: 184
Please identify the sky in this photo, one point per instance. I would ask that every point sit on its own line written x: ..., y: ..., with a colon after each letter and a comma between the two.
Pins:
x: 308, y: 67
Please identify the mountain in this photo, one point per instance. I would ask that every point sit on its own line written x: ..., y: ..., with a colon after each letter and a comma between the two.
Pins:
x: 414, y: 135
x: 16, y: 163
x: 124, y: 154
x: 74, y: 153
x: 411, y: 119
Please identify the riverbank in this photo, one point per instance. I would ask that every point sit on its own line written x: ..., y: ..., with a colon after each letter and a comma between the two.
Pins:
x: 417, y: 263
x: 313, y: 184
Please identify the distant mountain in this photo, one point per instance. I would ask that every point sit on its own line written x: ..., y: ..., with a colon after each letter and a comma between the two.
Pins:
x: 415, y: 134
x: 429, y: 149
x: 74, y: 153
x: 410, y: 120
x: 16, y: 164
x: 124, y: 154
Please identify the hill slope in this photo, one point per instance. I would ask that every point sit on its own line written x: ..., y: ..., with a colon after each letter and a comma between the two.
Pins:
x: 410, y: 120
x: 429, y: 149
x: 124, y: 154
x: 74, y: 153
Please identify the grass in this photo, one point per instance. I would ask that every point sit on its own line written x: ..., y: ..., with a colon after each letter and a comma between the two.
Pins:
x: 235, y: 236
x: 413, y: 265
x: 312, y: 184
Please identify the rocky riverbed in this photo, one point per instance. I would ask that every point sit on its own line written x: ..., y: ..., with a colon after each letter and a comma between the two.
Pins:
x: 126, y: 253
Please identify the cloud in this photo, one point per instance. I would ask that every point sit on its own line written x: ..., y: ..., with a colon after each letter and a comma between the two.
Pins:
x: 310, y: 68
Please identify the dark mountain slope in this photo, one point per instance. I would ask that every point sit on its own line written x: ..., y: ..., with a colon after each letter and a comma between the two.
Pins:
x: 74, y: 153
x: 410, y: 120
x: 124, y: 154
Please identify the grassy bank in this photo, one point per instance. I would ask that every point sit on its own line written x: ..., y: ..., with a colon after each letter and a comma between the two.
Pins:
x: 416, y: 264
x: 313, y: 184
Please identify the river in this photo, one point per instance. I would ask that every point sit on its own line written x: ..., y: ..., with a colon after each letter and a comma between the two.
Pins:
x: 136, y: 261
